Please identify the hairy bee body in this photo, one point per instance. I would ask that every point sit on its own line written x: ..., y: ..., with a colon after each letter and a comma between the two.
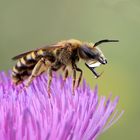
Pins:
x: 24, y: 66
x: 53, y: 57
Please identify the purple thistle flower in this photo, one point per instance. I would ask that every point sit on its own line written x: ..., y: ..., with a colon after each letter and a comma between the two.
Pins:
x: 31, y: 115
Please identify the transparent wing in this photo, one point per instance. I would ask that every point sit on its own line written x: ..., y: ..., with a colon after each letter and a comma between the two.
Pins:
x: 48, y: 47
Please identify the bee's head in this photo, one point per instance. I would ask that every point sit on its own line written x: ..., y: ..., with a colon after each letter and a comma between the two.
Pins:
x: 97, y: 56
x: 93, y: 53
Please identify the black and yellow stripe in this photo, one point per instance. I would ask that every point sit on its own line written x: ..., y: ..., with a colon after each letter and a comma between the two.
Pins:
x: 24, y: 66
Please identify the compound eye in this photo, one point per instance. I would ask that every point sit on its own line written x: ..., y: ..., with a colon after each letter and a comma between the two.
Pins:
x: 86, y: 52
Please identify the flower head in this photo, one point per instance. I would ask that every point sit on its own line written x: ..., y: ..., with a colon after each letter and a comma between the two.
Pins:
x: 32, y: 115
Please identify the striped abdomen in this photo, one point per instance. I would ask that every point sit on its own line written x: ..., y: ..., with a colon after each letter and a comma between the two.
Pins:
x: 24, y: 66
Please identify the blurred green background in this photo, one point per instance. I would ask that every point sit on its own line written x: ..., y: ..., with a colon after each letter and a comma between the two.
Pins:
x: 28, y: 24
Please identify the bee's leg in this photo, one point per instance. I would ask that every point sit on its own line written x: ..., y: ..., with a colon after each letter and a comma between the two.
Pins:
x: 81, y: 73
x: 65, y: 77
x: 49, y: 81
x: 74, y: 80
x: 63, y: 68
x: 80, y: 76
x: 36, y: 71
x: 94, y: 72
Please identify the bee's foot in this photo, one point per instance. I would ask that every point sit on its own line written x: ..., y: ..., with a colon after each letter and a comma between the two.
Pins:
x: 98, y: 75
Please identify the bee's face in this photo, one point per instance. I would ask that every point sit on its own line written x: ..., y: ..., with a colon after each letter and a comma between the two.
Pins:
x: 94, y: 59
x: 99, y: 56
x: 92, y: 54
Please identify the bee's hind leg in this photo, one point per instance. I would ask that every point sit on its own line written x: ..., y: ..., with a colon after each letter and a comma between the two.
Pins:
x: 41, y: 66
x: 38, y: 69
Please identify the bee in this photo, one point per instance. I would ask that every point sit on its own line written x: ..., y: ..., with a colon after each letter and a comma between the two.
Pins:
x: 53, y: 57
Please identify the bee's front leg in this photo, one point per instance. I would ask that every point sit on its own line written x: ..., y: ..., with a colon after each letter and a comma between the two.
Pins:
x: 74, y: 80
x: 80, y: 76
x: 94, y: 72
